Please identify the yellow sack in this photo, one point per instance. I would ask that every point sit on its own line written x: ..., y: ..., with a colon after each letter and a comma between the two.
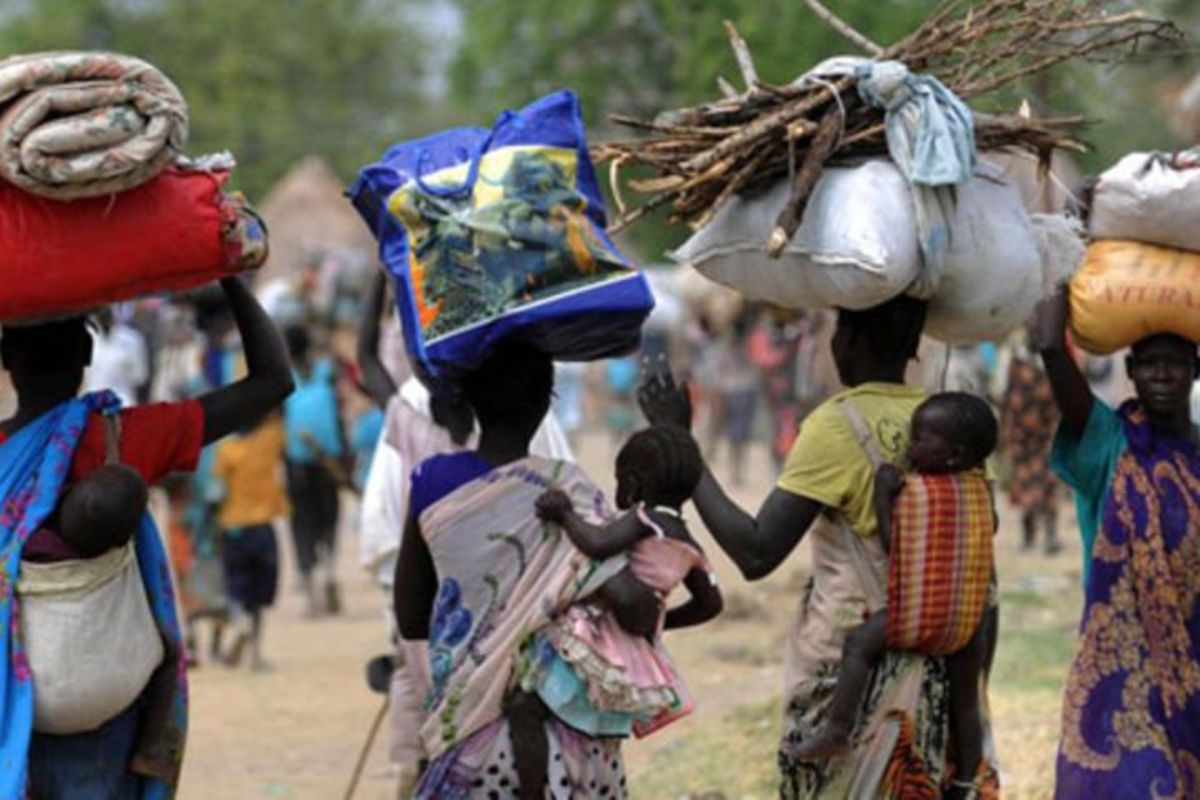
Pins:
x: 1127, y: 291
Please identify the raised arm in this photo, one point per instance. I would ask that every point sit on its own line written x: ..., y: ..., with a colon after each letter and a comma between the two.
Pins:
x: 704, y: 604
x: 375, y: 376
x: 269, y: 375
x: 594, y: 541
x: 756, y: 544
x: 1048, y: 335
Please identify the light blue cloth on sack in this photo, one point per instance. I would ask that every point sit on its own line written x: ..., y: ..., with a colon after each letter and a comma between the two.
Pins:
x: 931, y: 139
x: 930, y: 132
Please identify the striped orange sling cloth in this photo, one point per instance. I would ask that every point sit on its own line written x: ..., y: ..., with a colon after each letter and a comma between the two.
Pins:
x: 940, y: 564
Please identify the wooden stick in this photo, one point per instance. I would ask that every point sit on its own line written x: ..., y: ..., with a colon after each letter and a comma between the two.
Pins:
x: 614, y: 183
x: 663, y: 183
x: 726, y: 88
x: 741, y: 52
x: 658, y: 127
x: 624, y: 222
x: 739, y: 180
x: 806, y: 178
x: 765, y: 124
x: 841, y: 26
x: 356, y: 776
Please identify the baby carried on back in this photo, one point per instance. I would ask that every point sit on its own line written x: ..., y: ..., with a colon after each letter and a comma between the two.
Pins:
x: 82, y: 567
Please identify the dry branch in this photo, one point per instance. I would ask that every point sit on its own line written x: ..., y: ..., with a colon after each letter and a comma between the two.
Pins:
x: 706, y: 154
x: 806, y: 179
x: 840, y: 25
x: 742, y: 53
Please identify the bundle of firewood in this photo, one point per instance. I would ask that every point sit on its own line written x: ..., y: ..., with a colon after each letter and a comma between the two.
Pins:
x: 705, y: 155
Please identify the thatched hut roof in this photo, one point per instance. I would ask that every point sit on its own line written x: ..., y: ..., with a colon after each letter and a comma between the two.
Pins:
x: 307, y: 214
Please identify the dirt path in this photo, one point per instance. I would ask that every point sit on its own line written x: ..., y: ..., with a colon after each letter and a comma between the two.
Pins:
x: 295, y: 732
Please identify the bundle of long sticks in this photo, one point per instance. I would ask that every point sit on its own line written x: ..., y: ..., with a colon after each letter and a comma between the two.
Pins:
x: 703, y: 156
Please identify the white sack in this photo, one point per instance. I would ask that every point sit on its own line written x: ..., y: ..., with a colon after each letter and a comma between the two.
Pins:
x: 1151, y: 198
x: 993, y: 274
x: 856, y: 247
x: 91, y: 640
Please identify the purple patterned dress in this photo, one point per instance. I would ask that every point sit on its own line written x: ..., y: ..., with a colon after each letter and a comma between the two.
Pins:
x: 1131, y: 714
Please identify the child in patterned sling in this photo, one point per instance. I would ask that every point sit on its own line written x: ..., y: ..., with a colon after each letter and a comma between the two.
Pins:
x: 587, y: 669
x: 937, y: 525
x: 99, y: 513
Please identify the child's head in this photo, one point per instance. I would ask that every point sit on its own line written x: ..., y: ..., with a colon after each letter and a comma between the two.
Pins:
x: 103, y: 510
x: 951, y: 432
x: 659, y: 466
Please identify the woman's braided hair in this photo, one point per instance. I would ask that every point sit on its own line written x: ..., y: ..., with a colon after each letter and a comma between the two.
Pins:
x: 666, y: 462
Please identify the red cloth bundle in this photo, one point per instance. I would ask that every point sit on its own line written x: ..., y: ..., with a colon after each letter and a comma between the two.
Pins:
x: 174, y: 233
x: 940, y: 564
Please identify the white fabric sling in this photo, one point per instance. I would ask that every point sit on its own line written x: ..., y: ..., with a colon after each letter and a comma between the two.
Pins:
x: 90, y: 638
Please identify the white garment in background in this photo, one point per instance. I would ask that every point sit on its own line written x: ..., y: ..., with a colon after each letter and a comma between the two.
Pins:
x: 120, y: 361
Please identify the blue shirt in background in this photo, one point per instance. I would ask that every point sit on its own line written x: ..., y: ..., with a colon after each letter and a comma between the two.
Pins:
x: 310, y: 414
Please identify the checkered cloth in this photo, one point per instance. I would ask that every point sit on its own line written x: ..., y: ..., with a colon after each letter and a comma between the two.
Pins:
x: 940, y: 564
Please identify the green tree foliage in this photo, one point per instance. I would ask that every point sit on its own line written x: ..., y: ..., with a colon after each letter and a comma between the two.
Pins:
x: 270, y: 81
x: 640, y: 56
x: 643, y: 56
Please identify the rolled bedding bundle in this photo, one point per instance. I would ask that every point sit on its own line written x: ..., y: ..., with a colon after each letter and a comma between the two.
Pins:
x: 86, y: 124
x: 175, y: 233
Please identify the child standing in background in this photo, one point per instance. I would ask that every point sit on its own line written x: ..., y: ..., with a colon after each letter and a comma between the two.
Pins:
x: 249, y: 466
x: 316, y: 466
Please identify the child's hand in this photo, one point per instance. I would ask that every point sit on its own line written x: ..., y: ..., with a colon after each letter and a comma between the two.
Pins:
x: 553, y: 506
x: 888, y: 480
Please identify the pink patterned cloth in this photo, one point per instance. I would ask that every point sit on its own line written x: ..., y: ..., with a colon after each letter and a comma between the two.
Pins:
x: 625, y: 672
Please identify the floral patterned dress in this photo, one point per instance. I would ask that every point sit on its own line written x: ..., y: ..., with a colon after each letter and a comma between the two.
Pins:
x: 1029, y: 416
x: 503, y: 577
x: 1131, y: 712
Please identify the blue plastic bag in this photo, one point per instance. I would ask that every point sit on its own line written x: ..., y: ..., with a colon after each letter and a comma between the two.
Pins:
x: 497, y: 234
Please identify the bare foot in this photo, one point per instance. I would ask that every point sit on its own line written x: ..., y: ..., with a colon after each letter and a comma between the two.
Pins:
x: 830, y: 741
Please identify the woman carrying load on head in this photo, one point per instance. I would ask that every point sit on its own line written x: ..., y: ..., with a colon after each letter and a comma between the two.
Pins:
x: 1131, y: 712
x: 56, y: 438
x: 899, y: 744
x: 478, y: 574
x: 417, y: 426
